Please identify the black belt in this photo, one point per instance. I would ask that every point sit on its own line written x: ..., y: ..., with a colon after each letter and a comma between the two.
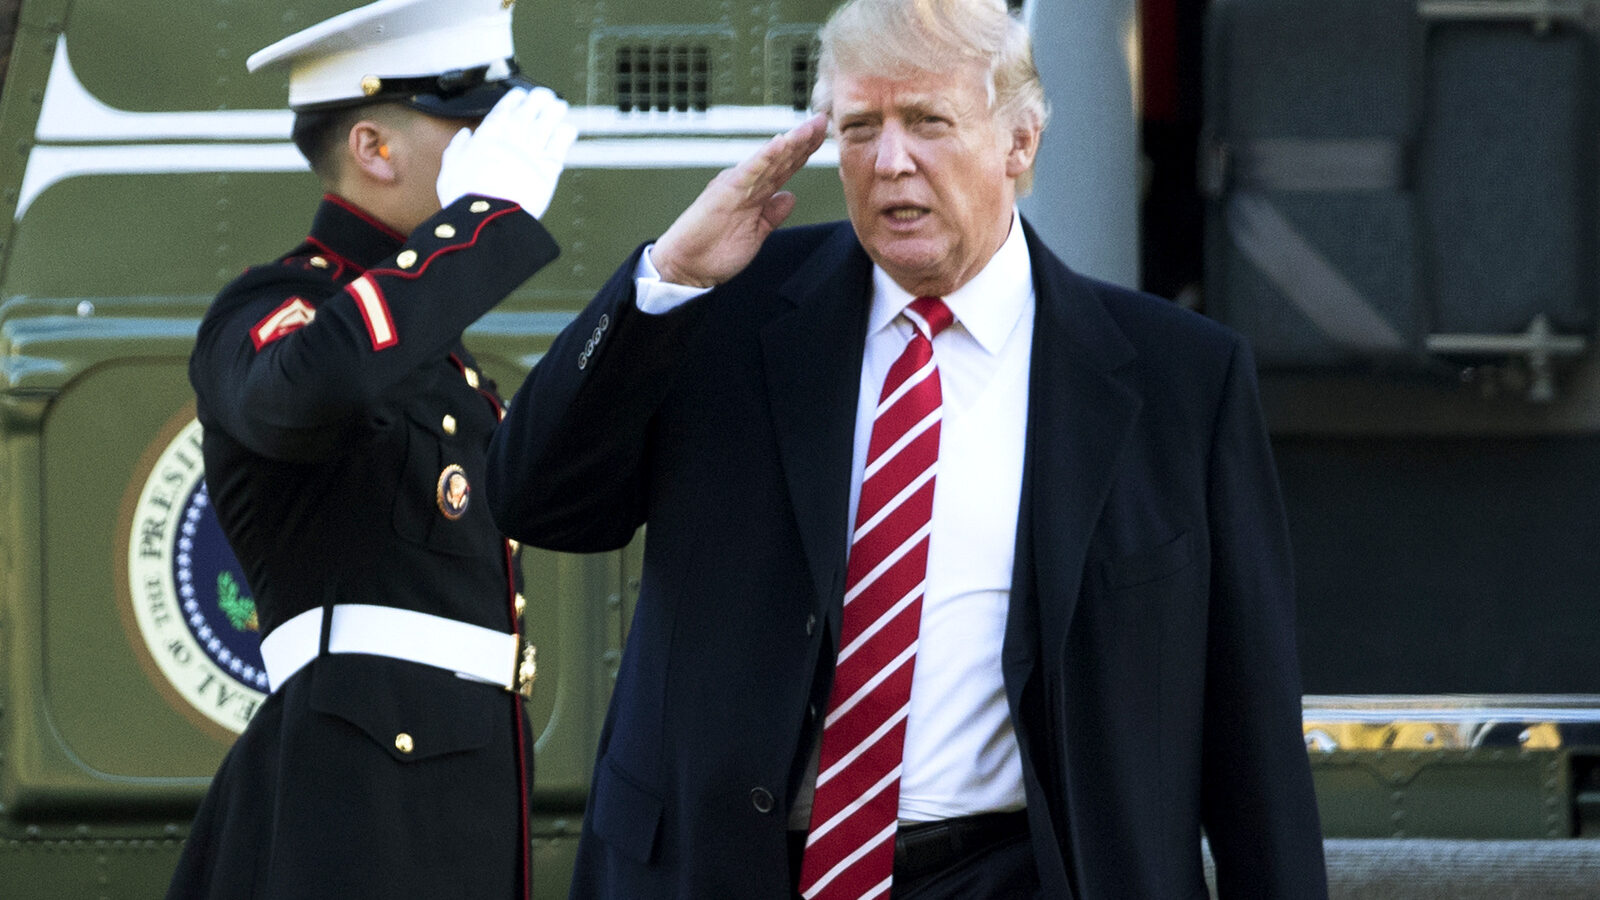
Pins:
x: 924, y: 848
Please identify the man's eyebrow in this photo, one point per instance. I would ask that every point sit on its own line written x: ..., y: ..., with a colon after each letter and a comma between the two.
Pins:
x: 919, y: 106
x: 857, y: 115
x: 912, y: 107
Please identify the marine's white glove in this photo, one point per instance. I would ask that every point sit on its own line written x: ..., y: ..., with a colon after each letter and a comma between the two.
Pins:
x: 516, y: 154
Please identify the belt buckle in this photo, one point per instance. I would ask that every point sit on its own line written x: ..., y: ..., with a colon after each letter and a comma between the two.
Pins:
x: 527, y: 667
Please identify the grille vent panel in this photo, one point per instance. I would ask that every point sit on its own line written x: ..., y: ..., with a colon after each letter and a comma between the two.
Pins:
x: 802, y: 75
x: 662, y: 77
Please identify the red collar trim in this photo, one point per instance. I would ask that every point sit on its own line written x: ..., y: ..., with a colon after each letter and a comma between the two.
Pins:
x: 334, y: 255
x: 363, y: 215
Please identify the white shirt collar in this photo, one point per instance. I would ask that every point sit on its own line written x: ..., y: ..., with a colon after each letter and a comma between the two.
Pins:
x: 988, y: 306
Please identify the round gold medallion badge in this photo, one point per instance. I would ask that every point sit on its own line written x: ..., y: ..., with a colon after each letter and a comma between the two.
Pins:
x: 453, y: 492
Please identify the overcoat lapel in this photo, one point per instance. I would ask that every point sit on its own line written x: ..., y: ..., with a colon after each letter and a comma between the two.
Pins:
x: 813, y: 376
x: 1080, y: 414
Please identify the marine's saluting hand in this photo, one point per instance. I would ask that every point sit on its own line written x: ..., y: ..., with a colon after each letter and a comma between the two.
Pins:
x: 516, y: 154
x: 718, y: 235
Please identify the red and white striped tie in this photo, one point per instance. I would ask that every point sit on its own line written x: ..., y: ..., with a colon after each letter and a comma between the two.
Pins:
x: 850, y: 848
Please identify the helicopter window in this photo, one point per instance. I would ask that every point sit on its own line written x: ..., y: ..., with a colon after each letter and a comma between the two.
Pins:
x: 802, y: 75
x: 8, y: 32
x: 663, y: 77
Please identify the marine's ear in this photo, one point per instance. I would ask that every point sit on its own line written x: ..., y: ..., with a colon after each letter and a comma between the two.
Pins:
x: 369, y: 148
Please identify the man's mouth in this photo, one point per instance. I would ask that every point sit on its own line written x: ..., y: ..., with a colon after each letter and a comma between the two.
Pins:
x: 906, y: 213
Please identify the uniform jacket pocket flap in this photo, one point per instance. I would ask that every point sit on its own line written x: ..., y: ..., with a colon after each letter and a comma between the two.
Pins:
x: 1149, y: 565
x: 626, y: 816
x: 438, y: 503
x: 415, y: 712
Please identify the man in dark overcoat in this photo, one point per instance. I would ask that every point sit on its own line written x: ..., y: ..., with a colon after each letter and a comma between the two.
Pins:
x: 345, y: 431
x: 964, y: 575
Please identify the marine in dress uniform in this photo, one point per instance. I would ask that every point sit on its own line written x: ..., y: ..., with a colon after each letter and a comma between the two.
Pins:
x: 345, y: 433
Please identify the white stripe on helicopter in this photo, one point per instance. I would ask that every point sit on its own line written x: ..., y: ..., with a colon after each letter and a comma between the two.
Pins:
x: 80, y: 135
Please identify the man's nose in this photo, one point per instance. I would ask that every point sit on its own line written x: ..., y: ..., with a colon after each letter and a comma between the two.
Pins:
x: 894, y: 156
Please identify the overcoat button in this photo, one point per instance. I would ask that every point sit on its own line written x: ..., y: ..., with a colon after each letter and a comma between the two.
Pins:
x: 811, y: 624
x: 761, y: 799
x: 445, y: 231
x: 449, y: 424
x: 403, y: 742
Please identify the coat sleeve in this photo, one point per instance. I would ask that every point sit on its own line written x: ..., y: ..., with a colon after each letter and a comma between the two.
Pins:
x: 1259, y: 809
x: 294, y: 395
x: 569, y: 467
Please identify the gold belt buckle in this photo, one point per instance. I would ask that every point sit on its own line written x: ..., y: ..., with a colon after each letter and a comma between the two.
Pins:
x: 527, y: 666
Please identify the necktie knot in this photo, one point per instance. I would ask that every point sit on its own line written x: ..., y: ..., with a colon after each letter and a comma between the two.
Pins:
x: 930, y: 316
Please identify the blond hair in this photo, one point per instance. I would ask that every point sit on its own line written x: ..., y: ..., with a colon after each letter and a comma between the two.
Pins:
x: 900, y: 38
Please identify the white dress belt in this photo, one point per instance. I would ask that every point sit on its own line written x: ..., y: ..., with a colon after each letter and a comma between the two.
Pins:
x: 471, y: 651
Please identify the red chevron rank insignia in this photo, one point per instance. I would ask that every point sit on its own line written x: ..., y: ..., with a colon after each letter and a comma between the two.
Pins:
x: 295, y: 313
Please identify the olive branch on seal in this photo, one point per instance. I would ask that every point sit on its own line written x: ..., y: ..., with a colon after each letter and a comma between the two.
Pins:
x: 240, y: 610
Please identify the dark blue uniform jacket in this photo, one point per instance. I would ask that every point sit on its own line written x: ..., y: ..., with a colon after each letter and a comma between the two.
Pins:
x: 337, y: 399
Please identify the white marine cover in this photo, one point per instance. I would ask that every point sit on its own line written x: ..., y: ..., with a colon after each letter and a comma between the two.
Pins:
x: 389, y: 39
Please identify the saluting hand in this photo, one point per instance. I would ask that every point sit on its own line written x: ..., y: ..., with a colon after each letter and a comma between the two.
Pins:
x: 720, y: 232
x: 517, y: 152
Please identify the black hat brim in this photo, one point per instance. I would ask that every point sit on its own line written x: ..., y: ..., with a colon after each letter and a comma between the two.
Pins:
x: 473, y: 103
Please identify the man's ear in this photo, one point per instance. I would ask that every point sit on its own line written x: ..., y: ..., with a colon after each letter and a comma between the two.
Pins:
x: 1024, y: 147
x: 369, y: 148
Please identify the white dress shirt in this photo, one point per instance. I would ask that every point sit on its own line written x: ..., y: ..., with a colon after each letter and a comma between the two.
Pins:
x: 961, y: 755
